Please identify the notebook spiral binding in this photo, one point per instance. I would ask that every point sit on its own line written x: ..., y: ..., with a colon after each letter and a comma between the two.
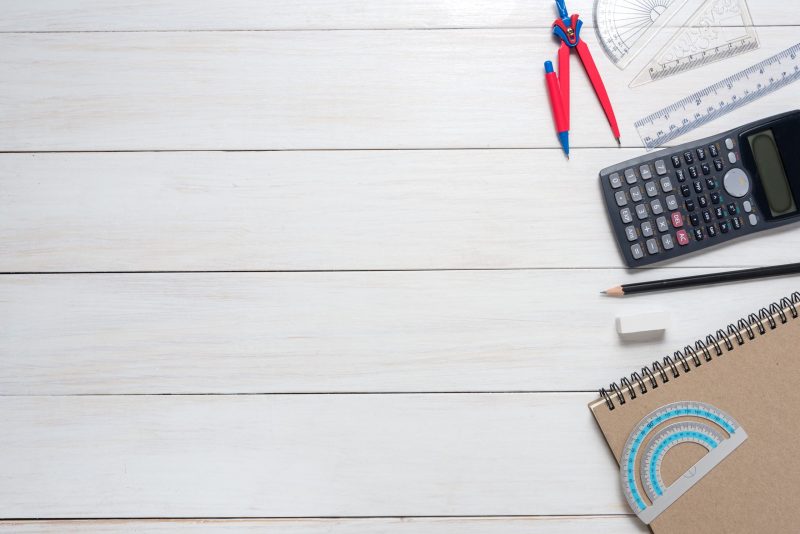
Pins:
x: 719, y: 343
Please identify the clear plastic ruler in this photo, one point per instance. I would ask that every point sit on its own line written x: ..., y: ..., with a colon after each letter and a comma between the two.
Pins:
x: 721, y: 98
x: 719, y: 29
x: 625, y: 27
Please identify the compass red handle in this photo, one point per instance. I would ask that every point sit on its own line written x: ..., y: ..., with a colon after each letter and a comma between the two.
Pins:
x: 599, y: 87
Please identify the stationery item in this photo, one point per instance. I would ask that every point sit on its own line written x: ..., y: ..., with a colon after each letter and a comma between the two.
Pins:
x: 697, y: 195
x: 704, y: 280
x: 625, y: 27
x: 703, y: 438
x: 719, y: 99
x: 568, y: 29
x: 644, y: 326
x: 718, y: 30
x: 559, y: 116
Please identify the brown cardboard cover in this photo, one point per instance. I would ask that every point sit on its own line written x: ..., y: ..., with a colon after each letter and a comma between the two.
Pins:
x: 757, y: 487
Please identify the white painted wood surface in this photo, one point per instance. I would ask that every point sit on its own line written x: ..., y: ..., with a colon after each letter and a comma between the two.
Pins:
x: 186, y: 395
x: 304, y: 455
x: 515, y: 525
x: 320, y: 90
x: 161, y: 15
x: 547, y: 330
x: 351, y: 210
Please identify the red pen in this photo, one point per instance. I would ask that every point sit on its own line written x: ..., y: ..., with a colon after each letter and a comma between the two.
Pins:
x: 557, y: 104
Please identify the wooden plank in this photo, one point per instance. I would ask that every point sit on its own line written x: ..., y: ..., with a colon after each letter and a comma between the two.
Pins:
x: 320, y: 211
x: 143, y: 15
x: 304, y: 456
x: 318, y: 90
x: 502, y: 525
x: 544, y: 330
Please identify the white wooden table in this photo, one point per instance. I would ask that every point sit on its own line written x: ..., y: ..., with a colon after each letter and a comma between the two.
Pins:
x: 301, y: 266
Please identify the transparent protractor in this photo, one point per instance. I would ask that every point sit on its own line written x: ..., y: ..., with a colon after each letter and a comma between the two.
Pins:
x: 625, y: 27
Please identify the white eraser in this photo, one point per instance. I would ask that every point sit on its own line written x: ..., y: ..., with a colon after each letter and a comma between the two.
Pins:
x: 644, y: 325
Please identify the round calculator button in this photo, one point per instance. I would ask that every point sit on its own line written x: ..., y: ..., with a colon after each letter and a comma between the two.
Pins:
x: 737, y: 184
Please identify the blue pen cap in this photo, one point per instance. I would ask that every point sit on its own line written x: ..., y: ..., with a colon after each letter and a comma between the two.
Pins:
x: 548, y: 67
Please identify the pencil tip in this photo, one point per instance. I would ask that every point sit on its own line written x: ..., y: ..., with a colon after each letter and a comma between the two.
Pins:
x: 619, y: 142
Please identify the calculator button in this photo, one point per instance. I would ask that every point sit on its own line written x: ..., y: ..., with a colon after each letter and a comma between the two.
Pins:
x: 656, y: 207
x: 666, y: 185
x: 676, y: 161
x: 698, y: 234
x: 686, y: 191
x: 748, y: 207
x: 615, y: 180
x: 689, y: 157
x: 680, y: 176
x: 652, y: 190
x: 641, y: 212
x: 701, y: 154
x: 702, y: 201
x: 694, y: 219
x: 716, y: 198
x: 667, y: 241
x: 698, y: 187
x: 645, y: 171
x: 732, y: 209
x: 712, y: 231
x: 718, y: 165
x: 729, y: 143
x: 647, y: 229
x: 707, y: 216
x: 724, y: 227
x: 720, y: 213
x: 661, y: 167
x: 711, y: 184
x: 622, y: 199
x: 677, y: 219
x: 636, y: 194
x: 672, y: 203
x: 693, y: 172
x: 663, y: 225
x: 637, y: 252
x: 690, y: 205
x: 652, y: 247
x: 630, y: 176
x: 732, y: 157
x: 736, y: 182
x: 753, y: 219
x: 630, y: 233
x: 706, y: 168
x: 712, y: 149
x: 737, y: 223
x: 683, y: 238
x: 626, y: 216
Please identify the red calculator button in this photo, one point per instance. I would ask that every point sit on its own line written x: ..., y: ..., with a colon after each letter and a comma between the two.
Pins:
x: 683, y: 238
x: 677, y: 219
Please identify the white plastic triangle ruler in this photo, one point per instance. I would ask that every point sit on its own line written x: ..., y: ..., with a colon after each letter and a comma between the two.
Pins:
x: 718, y: 30
x: 625, y: 27
x: 721, y: 98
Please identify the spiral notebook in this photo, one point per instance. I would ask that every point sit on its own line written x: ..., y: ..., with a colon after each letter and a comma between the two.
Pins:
x: 706, y: 439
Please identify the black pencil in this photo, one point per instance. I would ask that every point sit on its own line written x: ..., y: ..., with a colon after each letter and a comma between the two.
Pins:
x: 704, y: 280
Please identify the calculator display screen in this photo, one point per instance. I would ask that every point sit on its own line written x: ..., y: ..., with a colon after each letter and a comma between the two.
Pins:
x: 773, y: 174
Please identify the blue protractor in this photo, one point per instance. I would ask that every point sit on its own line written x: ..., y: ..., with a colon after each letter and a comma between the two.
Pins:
x: 674, y: 424
x: 658, y: 447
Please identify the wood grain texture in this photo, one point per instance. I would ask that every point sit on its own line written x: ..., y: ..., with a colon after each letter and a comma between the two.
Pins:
x: 308, y: 455
x: 149, y: 15
x: 321, y: 211
x: 502, y: 525
x: 318, y: 90
x: 340, y: 332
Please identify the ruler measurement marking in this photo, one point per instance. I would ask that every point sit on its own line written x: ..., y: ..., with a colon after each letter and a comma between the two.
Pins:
x: 712, y: 112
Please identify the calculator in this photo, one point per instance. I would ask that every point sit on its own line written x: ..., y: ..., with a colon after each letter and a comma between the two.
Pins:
x: 698, y: 195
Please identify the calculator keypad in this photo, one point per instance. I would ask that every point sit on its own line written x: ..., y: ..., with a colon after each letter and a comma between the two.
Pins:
x: 678, y: 200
